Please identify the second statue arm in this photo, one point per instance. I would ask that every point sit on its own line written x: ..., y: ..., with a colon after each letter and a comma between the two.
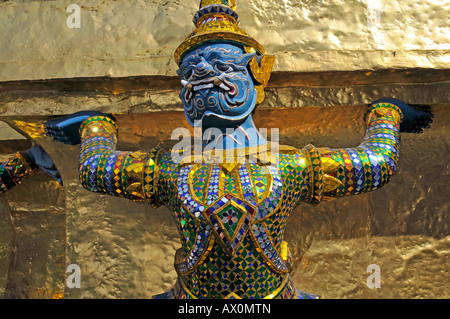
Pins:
x: 370, y: 165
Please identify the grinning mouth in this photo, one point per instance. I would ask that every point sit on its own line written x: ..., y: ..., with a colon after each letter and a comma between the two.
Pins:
x: 194, y: 86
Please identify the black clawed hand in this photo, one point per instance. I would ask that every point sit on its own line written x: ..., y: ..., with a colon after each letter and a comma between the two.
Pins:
x: 415, y: 120
x: 416, y: 117
x: 39, y: 157
x: 66, y: 129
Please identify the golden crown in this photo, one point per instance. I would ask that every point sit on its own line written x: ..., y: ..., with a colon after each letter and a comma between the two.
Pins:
x: 217, y: 21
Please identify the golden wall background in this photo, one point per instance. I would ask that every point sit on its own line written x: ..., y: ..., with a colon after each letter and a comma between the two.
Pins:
x: 333, y: 57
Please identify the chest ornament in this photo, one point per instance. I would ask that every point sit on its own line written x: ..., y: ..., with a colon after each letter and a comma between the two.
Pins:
x: 228, y: 213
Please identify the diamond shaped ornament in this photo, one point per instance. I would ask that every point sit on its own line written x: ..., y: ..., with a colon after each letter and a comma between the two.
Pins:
x: 230, y: 218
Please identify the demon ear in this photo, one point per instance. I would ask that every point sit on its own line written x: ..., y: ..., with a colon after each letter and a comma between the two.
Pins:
x: 260, y: 69
x: 246, y: 58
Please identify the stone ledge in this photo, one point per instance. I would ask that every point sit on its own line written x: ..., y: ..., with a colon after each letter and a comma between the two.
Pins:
x: 160, y: 93
x: 318, y: 78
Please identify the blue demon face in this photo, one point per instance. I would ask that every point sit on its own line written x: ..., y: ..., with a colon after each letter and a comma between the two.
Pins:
x: 217, y: 85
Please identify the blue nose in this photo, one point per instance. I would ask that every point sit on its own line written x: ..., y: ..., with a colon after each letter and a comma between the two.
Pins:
x: 203, y: 69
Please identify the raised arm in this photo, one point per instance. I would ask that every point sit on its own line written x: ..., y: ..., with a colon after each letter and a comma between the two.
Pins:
x: 102, y: 168
x: 339, y: 172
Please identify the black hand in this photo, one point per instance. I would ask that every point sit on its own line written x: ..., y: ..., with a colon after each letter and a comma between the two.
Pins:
x: 414, y: 120
x: 38, y: 156
x: 66, y: 129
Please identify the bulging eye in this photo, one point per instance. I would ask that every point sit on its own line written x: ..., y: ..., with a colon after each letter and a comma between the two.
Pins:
x: 188, y: 74
x: 223, y: 67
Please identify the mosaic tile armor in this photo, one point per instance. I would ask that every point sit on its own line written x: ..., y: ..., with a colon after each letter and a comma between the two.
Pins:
x: 15, y: 170
x: 232, y: 216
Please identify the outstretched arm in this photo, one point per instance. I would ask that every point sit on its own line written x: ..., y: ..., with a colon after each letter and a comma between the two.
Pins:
x: 350, y: 171
x: 26, y: 164
x: 102, y: 169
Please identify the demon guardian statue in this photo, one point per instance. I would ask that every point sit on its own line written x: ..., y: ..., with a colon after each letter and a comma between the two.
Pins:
x: 232, y: 210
